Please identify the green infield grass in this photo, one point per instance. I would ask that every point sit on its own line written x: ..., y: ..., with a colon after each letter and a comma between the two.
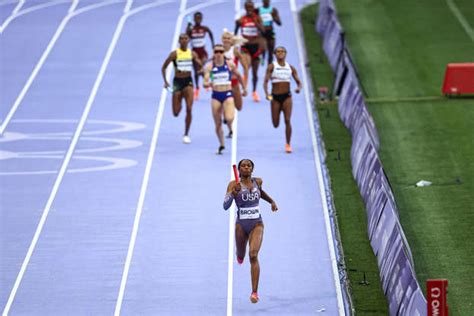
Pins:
x: 401, y: 49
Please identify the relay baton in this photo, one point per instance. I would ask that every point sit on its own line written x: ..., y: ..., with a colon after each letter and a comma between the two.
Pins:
x: 236, y: 175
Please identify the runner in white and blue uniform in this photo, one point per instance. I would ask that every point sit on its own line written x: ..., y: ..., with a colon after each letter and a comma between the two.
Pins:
x: 249, y: 224
x: 218, y: 74
x: 269, y: 14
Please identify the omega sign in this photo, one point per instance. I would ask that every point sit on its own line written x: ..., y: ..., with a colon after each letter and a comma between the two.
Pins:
x: 436, y: 295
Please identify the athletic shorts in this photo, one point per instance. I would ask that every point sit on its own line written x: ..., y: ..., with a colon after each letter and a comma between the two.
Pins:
x: 269, y: 34
x: 248, y: 224
x: 252, y: 49
x: 281, y: 97
x: 222, y: 96
x: 201, y: 52
x: 179, y: 84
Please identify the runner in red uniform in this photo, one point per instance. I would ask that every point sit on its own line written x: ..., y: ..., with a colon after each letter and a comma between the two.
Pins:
x: 252, y: 28
x: 197, y: 34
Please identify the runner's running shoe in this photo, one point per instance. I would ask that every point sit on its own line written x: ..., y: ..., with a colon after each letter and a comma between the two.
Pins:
x: 254, y: 297
x: 186, y: 139
x: 196, y: 94
x: 288, y: 149
x: 255, y: 97
x: 219, y: 150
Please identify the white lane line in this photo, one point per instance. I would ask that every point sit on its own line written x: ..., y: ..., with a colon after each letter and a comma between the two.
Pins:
x: 66, y: 161
x: 71, y: 13
x: 237, y: 9
x: 29, y: 10
x: 457, y: 13
x: 151, y: 154
x: 230, y: 257
x: 317, y: 161
x: 18, y: 6
x: 233, y: 161
x: 93, y: 7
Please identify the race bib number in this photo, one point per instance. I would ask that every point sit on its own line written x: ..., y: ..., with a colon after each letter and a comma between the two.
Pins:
x: 249, y: 212
x: 250, y: 31
x: 198, y: 42
x: 185, y: 65
x: 266, y: 17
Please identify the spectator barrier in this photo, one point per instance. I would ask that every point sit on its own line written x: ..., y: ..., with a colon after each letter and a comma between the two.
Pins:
x: 385, y: 232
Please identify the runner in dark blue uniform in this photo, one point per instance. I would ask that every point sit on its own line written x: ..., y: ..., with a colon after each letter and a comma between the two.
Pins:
x: 249, y: 223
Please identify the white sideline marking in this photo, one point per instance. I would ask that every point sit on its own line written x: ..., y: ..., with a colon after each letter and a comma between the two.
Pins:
x: 52, y: 42
x: 317, y: 160
x: 66, y: 161
x: 457, y: 13
x: 151, y: 154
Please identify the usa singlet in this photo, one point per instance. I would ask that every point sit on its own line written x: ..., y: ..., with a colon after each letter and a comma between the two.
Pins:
x: 248, y: 210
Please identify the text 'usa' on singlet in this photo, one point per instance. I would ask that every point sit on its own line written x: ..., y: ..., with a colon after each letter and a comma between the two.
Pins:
x: 249, y: 27
x: 247, y: 202
x: 266, y: 15
x: 184, y: 60
x: 281, y: 73
x: 220, y: 75
x: 198, y: 34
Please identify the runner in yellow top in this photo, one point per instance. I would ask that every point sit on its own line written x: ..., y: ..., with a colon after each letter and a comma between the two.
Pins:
x: 182, y: 59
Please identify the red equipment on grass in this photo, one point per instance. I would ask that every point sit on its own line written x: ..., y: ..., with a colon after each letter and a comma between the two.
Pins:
x: 436, y: 290
x: 459, y: 79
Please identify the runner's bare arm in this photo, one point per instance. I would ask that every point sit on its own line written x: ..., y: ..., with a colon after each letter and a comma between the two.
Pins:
x: 268, y: 74
x: 208, y: 30
x: 237, y: 26
x: 171, y: 57
x: 297, y: 79
x: 265, y: 196
x: 276, y: 17
x: 207, y: 76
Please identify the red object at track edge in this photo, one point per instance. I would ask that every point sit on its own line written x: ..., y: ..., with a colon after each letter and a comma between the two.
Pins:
x: 436, y: 290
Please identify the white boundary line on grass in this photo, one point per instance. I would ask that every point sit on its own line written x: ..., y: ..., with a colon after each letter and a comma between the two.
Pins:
x: 151, y: 154
x: 67, y: 159
x: 457, y: 13
x: 317, y: 160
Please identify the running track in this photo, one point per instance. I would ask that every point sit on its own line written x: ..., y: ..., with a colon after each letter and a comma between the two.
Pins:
x: 104, y: 210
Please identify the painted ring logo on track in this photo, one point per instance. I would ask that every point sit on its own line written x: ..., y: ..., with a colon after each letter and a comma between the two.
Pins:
x: 83, y: 159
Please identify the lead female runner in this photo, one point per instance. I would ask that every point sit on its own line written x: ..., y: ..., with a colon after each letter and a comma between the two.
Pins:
x: 249, y: 224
